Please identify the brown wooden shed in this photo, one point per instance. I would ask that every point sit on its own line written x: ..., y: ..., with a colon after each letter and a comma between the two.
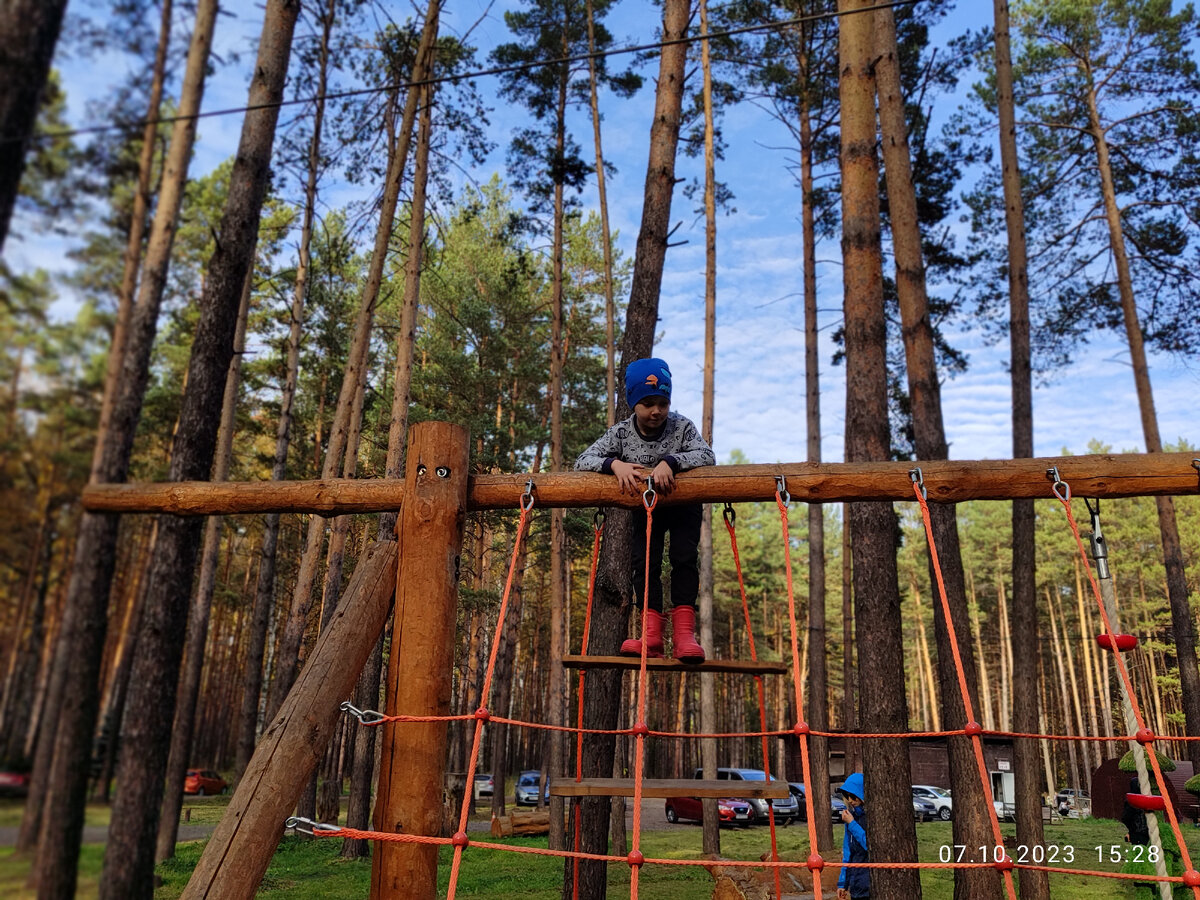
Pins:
x: 1110, y: 785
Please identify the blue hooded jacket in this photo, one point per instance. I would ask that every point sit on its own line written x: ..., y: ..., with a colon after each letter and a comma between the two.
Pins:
x: 854, y: 843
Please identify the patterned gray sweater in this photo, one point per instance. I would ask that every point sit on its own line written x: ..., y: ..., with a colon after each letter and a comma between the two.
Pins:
x: 680, y: 444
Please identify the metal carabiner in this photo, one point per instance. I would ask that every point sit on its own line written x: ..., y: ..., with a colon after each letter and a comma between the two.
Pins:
x: 915, y: 476
x: 649, y: 497
x: 308, y: 826
x: 781, y: 490
x: 527, y: 496
x: 728, y: 513
x: 1061, y: 489
x: 598, y: 521
x: 364, y: 716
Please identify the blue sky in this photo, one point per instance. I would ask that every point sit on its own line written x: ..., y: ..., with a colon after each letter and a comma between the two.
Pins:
x: 760, y: 370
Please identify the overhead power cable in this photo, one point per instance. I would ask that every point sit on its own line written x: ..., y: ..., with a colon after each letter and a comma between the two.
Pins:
x: 465, y: 76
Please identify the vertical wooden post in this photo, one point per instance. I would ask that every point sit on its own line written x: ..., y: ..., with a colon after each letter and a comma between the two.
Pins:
x: 413, y: 760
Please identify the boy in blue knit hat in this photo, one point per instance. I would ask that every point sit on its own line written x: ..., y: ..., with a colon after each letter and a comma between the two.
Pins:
x: 656, y: 442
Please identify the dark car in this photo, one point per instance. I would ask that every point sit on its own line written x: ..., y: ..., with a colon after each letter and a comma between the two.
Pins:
x: 923, y: 810
x: 204, y: 781
x: 835, y: 805
x: 14, y: 784
x: 730, y: 811
x: 785, y: 808
x: 527, y: 789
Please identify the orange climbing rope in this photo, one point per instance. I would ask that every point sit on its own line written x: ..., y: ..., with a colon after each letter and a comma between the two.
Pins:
x: 998, y: 857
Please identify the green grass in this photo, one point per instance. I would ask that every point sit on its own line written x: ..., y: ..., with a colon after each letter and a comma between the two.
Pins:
x: 311, y: 868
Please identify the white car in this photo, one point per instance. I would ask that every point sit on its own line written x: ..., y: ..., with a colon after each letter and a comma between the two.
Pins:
x: 939, y: 797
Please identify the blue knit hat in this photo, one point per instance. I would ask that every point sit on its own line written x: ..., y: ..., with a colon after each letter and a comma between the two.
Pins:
x: 647, y: 378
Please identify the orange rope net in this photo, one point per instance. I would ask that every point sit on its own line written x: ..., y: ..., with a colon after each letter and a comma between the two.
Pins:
x: 998, y: 857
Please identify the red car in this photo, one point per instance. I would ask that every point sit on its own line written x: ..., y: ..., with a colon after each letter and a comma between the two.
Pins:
x: 14, y: 784
x: 203, y: 781
x: 730, y: 810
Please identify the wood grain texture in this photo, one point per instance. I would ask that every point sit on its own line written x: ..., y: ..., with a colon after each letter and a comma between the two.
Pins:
x: 947, y: 481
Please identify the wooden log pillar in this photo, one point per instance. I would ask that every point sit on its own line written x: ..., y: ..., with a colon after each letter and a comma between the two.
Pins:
x: 240, y: 849
x: 413, y: 757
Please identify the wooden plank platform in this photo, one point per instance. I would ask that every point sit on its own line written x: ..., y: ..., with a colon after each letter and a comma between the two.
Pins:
x: 742, y: 666
x: 669, y: 787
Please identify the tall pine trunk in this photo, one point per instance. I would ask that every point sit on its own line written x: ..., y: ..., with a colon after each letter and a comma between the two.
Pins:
x: 1182, y: 626
x: 201, y: 607
x: 611, y: 607
x: 972, y: 825
x: 872, y: 525
x: 54, y: 811
x: 129, y: 855
x: 28, y: 32
x: 264, y: 594
x: 293, y: 635
x: 708, y: 701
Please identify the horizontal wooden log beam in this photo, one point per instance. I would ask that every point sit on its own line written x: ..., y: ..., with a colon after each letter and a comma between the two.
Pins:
x: 661, y: 788
x: 952, y: 481
x: 740, y: 666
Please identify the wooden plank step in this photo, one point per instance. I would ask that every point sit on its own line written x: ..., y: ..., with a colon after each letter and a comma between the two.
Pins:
x: 669, y: 787
x: 744, y: 666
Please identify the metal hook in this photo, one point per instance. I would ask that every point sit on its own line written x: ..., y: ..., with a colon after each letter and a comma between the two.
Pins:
x: 1099, y: 545
x: 729, y: 513
x: 527, y: 496
x: 364, y: 716
x: 649, y: 497
x: 1061, y: 489
x: 308, y: 826
x: 781, y: 489
x: 598, y: 521
x: 915, y: 476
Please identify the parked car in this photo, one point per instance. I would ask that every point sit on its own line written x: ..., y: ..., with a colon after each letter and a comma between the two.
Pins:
x: 1005, y: 811
x: 1073, y: 803
x: 203, y: 781
x: 730, y: 811
x: 785, y: 808
x: 484, y: 785
x: 923, y: 810
x: 939, y: 797
x: 14, y: 784
x: 527, y: 789
x: 799, y: 793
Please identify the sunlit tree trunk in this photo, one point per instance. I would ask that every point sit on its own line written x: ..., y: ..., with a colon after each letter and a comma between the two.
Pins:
x: 146, y: 733
x: 611, y: 608
x: 54, y: 811
x: 872, y: 525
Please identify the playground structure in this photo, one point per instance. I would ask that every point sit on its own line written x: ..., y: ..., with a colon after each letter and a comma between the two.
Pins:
x: 433, y: 499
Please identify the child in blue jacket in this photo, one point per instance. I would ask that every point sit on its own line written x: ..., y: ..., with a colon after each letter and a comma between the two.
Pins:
x: 854, y: 884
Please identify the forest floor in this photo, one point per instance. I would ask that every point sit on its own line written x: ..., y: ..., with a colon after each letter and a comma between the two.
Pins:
x: 308, y: 868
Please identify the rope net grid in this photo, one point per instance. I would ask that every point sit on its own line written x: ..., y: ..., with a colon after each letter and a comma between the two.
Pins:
x: 997, y: 857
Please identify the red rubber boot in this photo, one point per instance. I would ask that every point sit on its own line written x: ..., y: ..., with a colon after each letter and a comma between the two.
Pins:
x: 653, y: 635
x: 683, y: 641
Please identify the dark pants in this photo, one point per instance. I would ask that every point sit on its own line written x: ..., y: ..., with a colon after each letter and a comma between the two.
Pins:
x: 683, y: 522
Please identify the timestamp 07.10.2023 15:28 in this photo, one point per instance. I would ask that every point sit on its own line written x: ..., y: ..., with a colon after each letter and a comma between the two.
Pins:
x: 1048, y: 854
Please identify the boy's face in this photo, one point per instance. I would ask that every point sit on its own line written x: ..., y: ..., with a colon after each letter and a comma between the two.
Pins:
x: 652, y: 412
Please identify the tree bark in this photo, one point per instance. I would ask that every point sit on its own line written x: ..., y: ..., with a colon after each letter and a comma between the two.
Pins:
x: 201, y: 606
x: 708, y: 702
x: 602, y: 192
x: 1182, y: 626
x: 558, y: 530
x: 818, y: 676
x: 873, y: 530
x: 264, y: 595
x: 611, y: 608
x: 971, y: 825
x: 54, y: 812
x: 293, y: 635
x: 137, y: 231
x: 129, y: 855
x: 28, y: 34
